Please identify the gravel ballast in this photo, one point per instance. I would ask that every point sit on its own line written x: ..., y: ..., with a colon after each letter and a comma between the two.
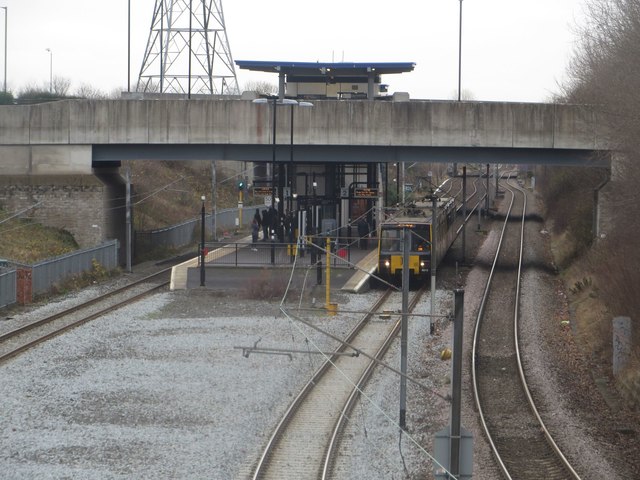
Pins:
x: 157, y: 390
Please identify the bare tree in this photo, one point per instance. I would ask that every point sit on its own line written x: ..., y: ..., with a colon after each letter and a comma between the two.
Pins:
x: 89, y: 91
x: 606, y: 72
x: 465, y: 94
x: 61, y: 86
x: 606, y: 69
x: 262, y: 87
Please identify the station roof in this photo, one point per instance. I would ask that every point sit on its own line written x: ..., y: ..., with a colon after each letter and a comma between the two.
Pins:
x: 326, y: 68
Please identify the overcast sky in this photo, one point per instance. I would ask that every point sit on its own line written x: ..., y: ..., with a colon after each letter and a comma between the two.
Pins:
x: 512, y: 50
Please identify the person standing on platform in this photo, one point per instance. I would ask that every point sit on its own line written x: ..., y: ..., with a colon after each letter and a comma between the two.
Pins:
x: 274, y: 222
x: 363, y: 233
x: 265, y: 225
x: 258, y: 220
x: 254, y: 233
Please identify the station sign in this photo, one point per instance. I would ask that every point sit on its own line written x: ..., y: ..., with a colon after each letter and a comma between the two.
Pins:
x: 365, y: 192
x: 264, y: 191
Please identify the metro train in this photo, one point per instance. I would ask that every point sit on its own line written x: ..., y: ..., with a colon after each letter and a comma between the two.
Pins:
x: 416, y: 218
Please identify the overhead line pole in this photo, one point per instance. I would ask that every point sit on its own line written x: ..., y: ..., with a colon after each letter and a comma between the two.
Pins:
x: 406, y: 242
x: 434, y: 220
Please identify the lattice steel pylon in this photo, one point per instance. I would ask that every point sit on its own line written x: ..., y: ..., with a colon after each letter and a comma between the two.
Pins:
x: 188, y: 51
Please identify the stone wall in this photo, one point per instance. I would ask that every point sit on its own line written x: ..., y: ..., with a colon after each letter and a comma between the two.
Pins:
x: 73, y: 203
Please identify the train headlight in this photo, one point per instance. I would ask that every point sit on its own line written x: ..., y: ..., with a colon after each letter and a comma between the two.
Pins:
x: 422, y: 264
x: 387, y: 263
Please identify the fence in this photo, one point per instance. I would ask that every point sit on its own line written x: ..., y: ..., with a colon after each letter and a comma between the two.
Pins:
x: 22, y: 283
x: 271, y: 253
x: 185, y: 233
x: 47, y: 273
x: 8, y: 283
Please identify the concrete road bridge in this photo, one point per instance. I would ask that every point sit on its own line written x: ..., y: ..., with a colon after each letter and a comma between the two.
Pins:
x: 71, y: 137
x: 60, y: 160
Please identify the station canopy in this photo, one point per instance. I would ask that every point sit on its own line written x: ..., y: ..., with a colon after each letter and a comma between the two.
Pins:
x: 326, y: 72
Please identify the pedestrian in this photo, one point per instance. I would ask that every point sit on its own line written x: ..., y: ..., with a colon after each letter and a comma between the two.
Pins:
x: 265, y: 225
x: 254, y: 234
x: 257, y: 218
x: 275, y: 223
x: 363, y: 233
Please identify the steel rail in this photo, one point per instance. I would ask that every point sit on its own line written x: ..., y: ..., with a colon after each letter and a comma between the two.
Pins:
x: 523, y: 379
x: 551, y: 442
x: 9, y: 336
x: 269, y: 455
x: 25, y: 328
x: 474, y: 348
x: 355, y: 394
x: 280, y: 428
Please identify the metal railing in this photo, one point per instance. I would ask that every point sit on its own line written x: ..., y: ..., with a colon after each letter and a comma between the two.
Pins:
x: 8, y: 287
x: 47, y: 273
x: 186, y: 233
x: 273, y: 253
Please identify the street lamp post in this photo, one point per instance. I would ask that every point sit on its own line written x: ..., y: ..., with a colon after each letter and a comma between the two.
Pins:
x: 202, y: 244
x: 277, y: 187
x: 50, y: 70
x: 304, y: 105
x: 460, y: 55
x: 129, y: 46
x: 6, y: 14
x: 314, y: 220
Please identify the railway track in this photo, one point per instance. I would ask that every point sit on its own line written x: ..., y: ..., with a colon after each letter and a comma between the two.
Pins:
x: 306, y: 441
x: 22, y: 338
x: 521, y: 444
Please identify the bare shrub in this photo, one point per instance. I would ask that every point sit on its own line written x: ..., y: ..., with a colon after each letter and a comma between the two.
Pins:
x: 606, y: 72
x: 266, y: 285
x: 261, y: 87
x: 569, y: 203
x: 615, y: 261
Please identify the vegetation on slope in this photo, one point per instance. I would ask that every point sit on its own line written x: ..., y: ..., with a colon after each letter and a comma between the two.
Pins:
x: 169, y: 192
x: 24, y: 241
x: 605, y: 72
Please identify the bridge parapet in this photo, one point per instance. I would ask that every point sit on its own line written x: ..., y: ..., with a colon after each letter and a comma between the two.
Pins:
x: 65, y: 137
x: 330, y: 122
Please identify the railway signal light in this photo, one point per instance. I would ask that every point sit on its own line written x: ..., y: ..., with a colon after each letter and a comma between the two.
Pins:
x: 241, y: 185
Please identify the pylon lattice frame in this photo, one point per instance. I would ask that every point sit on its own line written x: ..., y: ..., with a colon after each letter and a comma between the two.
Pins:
x: 187, y: 40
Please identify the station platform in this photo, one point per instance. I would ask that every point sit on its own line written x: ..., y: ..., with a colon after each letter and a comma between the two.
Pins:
x: 364, y: 269
x: 226, y: 263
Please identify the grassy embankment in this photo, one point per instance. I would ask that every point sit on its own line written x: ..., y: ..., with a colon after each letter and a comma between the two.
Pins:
x: 597, y: 275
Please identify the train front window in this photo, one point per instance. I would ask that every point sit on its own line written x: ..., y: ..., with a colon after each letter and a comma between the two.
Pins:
x: 391, y: 240
x: 420, y: 239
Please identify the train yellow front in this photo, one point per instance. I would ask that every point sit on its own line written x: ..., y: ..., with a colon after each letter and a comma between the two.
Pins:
x: 416, y: 219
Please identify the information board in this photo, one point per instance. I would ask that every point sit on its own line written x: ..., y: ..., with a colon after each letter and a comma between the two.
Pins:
x: 263, y: 191
x: 365, y: 192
